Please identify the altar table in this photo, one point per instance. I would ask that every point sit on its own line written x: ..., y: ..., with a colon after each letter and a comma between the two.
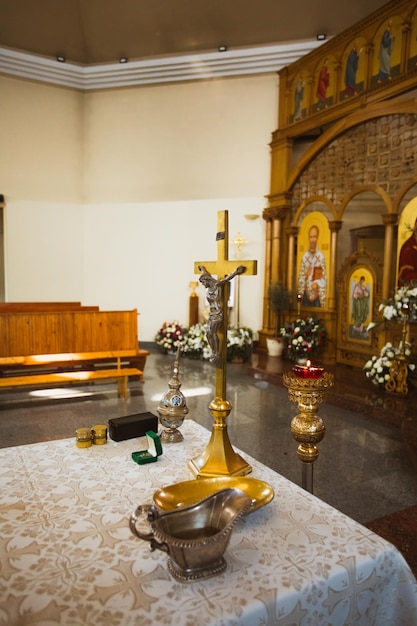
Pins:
x: 68, y: 557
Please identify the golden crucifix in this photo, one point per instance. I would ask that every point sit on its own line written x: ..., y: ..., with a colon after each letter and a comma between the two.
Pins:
x: 219, y: 458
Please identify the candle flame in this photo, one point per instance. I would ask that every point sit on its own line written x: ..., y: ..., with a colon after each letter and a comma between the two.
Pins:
x: 308, y: 363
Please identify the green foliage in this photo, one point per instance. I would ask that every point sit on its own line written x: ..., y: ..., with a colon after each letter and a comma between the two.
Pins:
x: 280, y: 300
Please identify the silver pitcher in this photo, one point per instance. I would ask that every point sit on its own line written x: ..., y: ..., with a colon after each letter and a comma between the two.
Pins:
x: 195, y: 537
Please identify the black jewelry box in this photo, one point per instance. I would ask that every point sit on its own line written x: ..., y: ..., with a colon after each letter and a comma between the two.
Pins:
x: 130, y: 426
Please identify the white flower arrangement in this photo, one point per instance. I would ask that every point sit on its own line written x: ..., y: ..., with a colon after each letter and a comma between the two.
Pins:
x: 377, y: 369
x: 404, y: 302
x: 239, y: 343
x: 196, y: 345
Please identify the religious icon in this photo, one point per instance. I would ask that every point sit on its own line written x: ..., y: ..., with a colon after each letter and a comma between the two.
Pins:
x: 312, y: 275
x: 386, y: 46
x: 360, y: 303
x: 298, y: 98
x: 407, y: 245
x: 352, y: 63
x: 322, y: 84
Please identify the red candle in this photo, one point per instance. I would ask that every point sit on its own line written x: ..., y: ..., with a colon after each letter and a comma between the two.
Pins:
x: 308, y: 370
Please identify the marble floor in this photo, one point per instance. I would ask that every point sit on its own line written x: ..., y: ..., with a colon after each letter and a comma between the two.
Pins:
x: 365, y: 468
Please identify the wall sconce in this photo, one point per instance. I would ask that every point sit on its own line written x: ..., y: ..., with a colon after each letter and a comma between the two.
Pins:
x: 123, y: 60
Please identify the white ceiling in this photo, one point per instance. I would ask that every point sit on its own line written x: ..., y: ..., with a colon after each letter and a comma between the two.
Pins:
x: 89, y: 32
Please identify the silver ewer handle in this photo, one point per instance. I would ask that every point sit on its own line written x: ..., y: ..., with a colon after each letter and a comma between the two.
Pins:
x: 150, y: 512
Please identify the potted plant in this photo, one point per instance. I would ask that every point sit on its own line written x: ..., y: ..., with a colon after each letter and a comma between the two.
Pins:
x: 279, y: 302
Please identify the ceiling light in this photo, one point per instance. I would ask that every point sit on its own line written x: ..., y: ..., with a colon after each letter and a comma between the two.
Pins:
x: 222, y: 48
x: 123, y: 60
x: 321, y: 36
x: 60, y: 58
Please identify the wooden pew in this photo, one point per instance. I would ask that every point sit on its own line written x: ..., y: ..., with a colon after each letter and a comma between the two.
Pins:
x: 22, y: 307
x: 72, y: 368
x: 43, y: 348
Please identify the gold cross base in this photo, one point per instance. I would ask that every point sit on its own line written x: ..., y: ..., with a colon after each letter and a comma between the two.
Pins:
x: 219, y: 458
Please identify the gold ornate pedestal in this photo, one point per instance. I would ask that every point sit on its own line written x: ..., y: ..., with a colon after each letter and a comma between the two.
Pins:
x: 219, y: 458
x: 307, y: 427
x: 398, y: 372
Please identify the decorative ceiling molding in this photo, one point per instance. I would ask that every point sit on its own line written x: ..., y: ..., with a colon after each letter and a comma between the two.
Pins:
x: 240, y: 62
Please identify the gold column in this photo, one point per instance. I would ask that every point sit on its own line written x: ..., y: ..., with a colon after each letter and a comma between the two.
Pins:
x: 405, y: 40
x: 337, y: 70
x: 292, y: 232
x: 275, y: 249
x: 267, y: 274
x: 389, y: 220
x: 335, y: 227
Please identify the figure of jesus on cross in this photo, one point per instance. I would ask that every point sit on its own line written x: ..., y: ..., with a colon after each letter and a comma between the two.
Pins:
x: 218, y: 295
x: 216, y: 314
x: 219, y: 458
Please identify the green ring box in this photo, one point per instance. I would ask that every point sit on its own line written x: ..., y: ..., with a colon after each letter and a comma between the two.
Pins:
x: 151, y: 454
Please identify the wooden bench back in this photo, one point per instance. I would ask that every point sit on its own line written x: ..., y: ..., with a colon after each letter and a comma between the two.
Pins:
x: 23, y: 307
x: 31, y: 333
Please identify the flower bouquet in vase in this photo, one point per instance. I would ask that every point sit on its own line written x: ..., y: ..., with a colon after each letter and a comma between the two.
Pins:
x: 170, y: 337
x: 303, y: 338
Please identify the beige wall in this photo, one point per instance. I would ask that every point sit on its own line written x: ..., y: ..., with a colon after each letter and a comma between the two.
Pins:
x: 205, y: 139
x: 42, y: 141
x: 111, y: 196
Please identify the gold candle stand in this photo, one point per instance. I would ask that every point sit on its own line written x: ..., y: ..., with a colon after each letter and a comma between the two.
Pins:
x: 193, y: 305
x: 307, y: 427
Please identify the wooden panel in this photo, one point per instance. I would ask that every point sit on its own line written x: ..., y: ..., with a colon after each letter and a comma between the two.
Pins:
x: 31, y: 333
x: 21, y: 307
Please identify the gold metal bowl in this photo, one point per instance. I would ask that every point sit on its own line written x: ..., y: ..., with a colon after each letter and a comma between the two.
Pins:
x: 191, y: 491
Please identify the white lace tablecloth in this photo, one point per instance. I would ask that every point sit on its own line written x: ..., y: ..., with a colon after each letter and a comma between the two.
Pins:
x: 67, y: 555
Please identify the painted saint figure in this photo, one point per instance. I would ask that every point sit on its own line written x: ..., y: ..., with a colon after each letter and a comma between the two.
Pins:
x: 216, y: 313
x: 312, y: 276
x: 298, y: 98
x: 350, y: 72
x: 385, y: 50
x: 407, y: 262
x: 360, y: 305
x: 322, y: 84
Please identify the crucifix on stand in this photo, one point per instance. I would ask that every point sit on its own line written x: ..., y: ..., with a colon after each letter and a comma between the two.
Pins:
x: 219, y: 458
